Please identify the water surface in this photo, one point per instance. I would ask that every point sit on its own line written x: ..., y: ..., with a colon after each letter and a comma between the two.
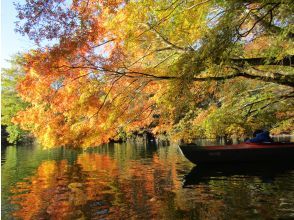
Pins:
x: 138, y: 181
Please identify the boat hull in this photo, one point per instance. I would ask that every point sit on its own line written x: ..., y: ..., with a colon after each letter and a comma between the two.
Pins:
x: 238, y: 153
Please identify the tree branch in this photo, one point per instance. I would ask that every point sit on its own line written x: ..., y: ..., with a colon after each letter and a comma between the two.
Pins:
x: 286, y: 61
x: 269, y: 12
x: 166, y: 41
x: 281, y: 79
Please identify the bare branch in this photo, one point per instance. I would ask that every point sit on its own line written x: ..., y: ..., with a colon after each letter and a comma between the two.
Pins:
x: 106, y: 42
x: 197, y: 4
x: 257, y: 21
x: 106, y: 96
x: 166, y: 41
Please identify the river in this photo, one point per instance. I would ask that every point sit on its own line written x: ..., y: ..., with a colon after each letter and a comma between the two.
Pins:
x: 138, y: 181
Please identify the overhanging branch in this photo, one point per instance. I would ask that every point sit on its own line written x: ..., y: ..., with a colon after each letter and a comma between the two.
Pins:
x: 286, y: 61
x: 278, y: 78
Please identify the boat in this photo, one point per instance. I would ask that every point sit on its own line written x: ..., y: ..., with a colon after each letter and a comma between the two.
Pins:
x: 244, y: 152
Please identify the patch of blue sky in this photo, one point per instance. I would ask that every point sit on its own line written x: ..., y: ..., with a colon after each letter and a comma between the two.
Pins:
x: 197, y: 44
x: 11, y: 42
x: 101, y: 50
x: 57, y: 84
x: 214, y: 16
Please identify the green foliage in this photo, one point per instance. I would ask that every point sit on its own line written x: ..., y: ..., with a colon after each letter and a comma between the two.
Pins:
x: 236, y: 109
x: 11, y: 103
x: 285, y: 126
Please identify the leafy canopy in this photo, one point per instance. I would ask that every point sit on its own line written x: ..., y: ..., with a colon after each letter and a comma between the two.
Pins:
x: 190, y: 68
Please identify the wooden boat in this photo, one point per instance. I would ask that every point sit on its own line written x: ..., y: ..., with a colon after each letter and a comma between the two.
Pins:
x: 244, y: 152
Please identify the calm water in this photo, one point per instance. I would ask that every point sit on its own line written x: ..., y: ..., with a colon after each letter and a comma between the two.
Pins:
x: 138, y: 181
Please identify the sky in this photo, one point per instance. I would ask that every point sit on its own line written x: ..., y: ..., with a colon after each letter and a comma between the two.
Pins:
x: 11, y: 42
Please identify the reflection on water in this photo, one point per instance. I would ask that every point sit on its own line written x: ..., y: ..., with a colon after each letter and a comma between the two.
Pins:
x: 245, y: 191
x: 264, y: 171
x: 138, y: 181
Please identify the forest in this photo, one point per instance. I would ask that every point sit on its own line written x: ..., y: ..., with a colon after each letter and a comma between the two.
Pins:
x: 186, y: 69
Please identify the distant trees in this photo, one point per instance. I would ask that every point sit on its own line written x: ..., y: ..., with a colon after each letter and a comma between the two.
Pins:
x: 11, y: 103
x: 206, y: 68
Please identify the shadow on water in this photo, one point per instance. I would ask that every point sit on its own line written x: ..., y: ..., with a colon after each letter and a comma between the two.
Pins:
x: 267, y: 172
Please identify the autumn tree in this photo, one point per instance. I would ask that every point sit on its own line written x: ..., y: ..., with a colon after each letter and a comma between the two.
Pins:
x: 183, y: 67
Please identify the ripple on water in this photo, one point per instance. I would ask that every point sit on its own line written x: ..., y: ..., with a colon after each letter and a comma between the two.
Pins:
x: 129, y: 181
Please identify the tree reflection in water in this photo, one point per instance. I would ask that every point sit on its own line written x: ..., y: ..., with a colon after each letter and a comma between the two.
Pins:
x: 94, y: 187
x: 137, y: 182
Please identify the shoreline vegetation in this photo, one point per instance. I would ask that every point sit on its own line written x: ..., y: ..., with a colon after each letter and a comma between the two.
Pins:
x: 148, y: 138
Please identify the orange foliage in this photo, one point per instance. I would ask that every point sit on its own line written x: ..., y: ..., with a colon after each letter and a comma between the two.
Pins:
x: 107, y: 69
